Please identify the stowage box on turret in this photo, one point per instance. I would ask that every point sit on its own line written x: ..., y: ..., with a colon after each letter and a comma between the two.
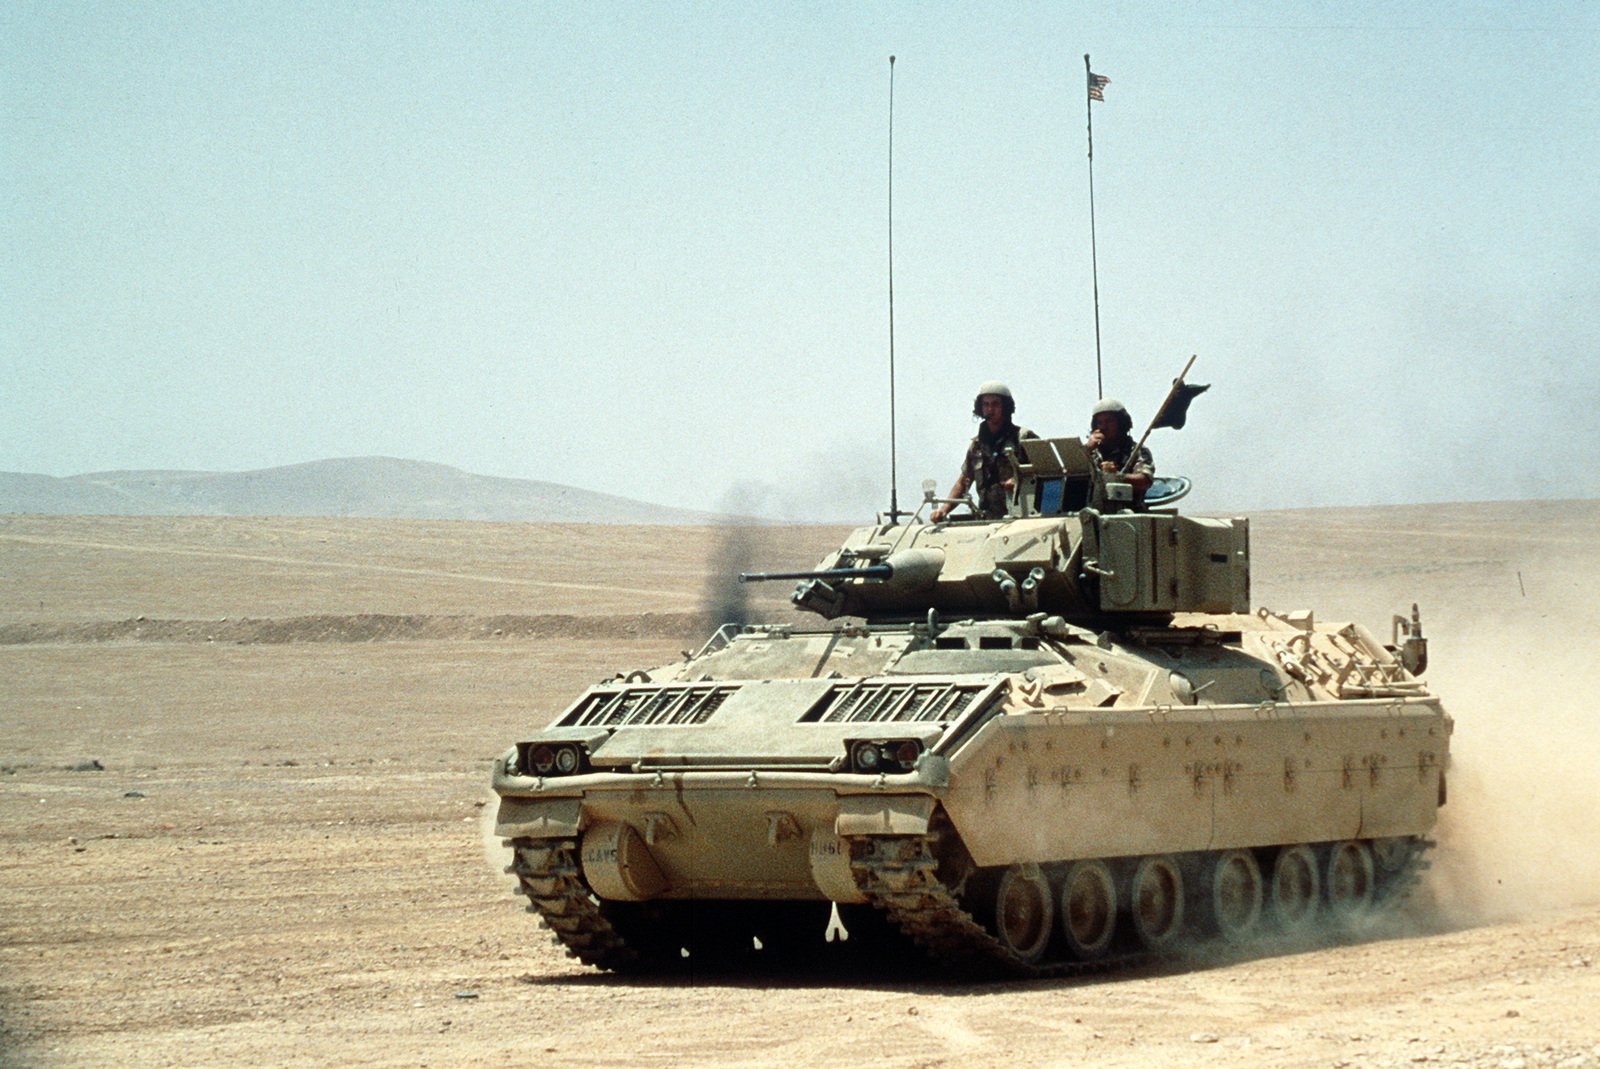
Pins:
x: 1033, y: 745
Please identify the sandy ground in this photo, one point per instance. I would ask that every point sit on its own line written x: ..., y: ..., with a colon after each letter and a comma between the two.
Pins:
x: 282, y: 859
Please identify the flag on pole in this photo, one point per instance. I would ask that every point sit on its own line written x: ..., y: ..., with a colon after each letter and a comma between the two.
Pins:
x: 1175, y: 413
x: 1097, y: 85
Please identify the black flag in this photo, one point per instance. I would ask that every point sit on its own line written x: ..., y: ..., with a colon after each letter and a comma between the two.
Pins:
x: 1175, y: 413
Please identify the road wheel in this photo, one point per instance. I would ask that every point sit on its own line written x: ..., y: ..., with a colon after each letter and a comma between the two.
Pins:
x: 1023, y: 912
x: 1352, y: 881
x: 1235, y: 896
x: 1155, y: 902
x: 1088, y: 909
x: 1295, y: 892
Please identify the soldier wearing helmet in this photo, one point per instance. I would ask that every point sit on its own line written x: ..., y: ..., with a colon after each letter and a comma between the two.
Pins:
x: 986, y: 469
x: 1112, y: 444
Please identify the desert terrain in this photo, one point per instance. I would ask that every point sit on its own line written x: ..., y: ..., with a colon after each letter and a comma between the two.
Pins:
x: 243, y: 798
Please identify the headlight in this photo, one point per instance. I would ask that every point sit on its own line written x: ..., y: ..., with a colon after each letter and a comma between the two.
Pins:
x: 884, y: 755
x: 552, y: 759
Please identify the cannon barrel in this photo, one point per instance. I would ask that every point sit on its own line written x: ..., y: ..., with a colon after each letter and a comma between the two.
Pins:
x: 871, y: 571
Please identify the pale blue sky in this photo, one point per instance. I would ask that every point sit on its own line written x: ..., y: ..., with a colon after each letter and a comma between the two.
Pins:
x: 641, y: 248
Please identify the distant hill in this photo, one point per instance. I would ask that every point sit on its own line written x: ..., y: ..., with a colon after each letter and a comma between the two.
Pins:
x: 355, y: 486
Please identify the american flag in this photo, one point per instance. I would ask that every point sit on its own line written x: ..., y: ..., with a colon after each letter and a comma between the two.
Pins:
x: 1097, y: 85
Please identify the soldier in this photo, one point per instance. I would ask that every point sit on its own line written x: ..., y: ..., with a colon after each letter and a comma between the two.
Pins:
x: 1112, y: 443
x: 986, y: 468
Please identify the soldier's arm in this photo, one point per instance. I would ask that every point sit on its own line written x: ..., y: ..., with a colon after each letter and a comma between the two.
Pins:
x: 1143, y: 471
x: 958, y: 490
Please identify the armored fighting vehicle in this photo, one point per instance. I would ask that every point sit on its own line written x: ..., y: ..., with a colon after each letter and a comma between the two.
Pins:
x: 1036, y: 745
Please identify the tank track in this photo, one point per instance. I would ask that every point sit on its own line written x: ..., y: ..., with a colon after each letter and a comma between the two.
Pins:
x: 1395, y: 887
x: 634, y: 938
x: 899, y: 875
x: 547, y: 871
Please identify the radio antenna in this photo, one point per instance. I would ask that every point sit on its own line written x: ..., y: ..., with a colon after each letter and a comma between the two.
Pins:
x: 894, y: 499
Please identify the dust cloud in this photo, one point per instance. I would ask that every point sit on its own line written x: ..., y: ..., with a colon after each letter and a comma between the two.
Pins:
x: 1521, y: 832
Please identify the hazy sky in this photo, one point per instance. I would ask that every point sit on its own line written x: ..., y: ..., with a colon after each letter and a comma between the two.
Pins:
x: 641, y: 248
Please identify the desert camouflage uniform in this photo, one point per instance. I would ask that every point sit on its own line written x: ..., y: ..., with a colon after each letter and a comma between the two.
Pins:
x: 986, y: 467
x: 1118, y: 453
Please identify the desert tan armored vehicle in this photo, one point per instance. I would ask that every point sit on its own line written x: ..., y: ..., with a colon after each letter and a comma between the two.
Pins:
x: 1033, y: 745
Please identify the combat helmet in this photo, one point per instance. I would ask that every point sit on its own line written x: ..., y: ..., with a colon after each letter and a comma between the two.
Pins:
x: 998, y: 389
x: 1111, y: 404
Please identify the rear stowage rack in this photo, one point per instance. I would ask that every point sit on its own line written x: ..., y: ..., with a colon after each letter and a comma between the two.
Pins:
x: 647, y: 706
x: 898, y: 701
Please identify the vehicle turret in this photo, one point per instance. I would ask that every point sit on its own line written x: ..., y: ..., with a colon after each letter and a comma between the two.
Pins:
x: 1074, y: 543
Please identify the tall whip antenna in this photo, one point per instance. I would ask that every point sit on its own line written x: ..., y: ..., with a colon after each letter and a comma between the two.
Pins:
x: 894, y: 499
x: 1096, y: 86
